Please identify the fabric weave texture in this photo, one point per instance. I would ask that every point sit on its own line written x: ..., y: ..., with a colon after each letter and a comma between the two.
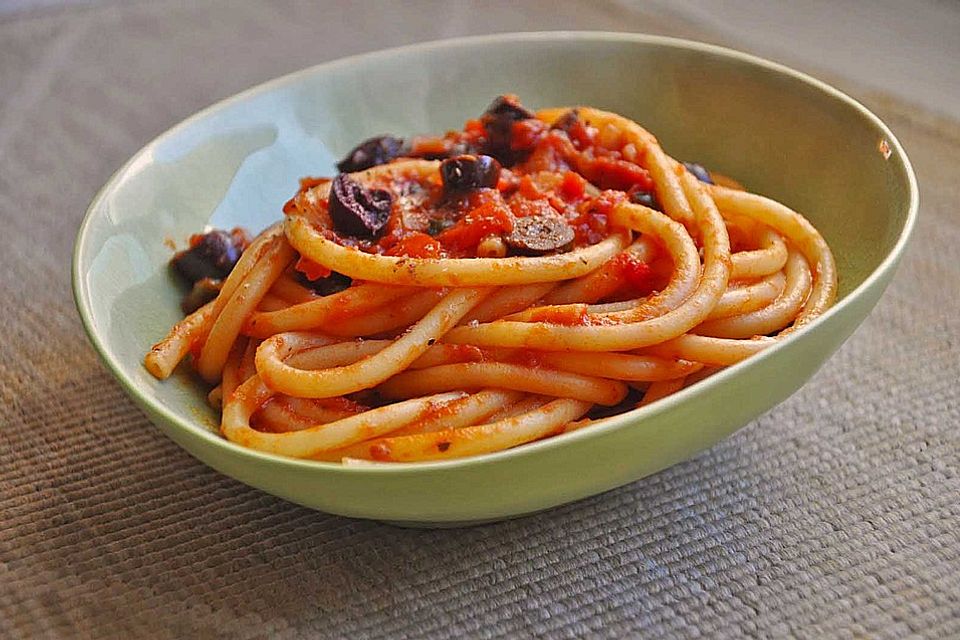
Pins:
x: 834, y: 515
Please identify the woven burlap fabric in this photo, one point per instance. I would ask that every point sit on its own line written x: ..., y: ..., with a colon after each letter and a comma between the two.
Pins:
x: 835, y: 515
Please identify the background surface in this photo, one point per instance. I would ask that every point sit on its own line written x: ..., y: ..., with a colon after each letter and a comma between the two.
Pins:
x: 836, y: 514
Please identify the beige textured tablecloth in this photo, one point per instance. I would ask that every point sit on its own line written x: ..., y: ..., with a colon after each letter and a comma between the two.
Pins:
x: 834, y: 515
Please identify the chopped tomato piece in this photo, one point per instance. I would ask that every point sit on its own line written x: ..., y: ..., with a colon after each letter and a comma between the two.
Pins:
x: 605, y: 202
x: 526, y: 133
x: 523, y: 208
x: 417, y: 245
x: 311, y: 270
x: 508, y: 181
x: 612, y: 173
x: 490, y: 218
x: 529, y: 189
x: 592, y: 222
x: 637, y: 273
x: 573, y: 186
x: 582, y: 135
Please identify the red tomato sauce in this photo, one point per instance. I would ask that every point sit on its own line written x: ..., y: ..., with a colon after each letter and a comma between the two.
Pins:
x: 562, y: 170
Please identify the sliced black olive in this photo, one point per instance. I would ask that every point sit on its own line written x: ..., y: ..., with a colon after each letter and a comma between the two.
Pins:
x: 464, y: 173
x: 203, y: 291
x: 370, y: 153
x: 646, y: 198
x: 699, y: 172
x: 212, y: 256
x: 540, y: 233
x: 357, y: 211
x: 498, y: 121
x: 333, y: 283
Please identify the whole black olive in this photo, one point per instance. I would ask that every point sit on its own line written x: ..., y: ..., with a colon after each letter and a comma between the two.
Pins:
x: 508, y: 107
x: 212, y: 256
x: 463, y: 173
x: 357, y: 211
x: 699, y: 172
x: 370, y: 153
x: 498, y: 121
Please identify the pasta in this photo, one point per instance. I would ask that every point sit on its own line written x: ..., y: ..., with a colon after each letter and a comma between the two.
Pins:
x: 457, y: 295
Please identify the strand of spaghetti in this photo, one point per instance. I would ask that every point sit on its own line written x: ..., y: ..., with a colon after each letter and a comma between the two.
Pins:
x: 436, y: 272
x: 768, y: 259
x: 679, y: 246
x: 215, y: 397
x: 248, y: 260
x: 686, y: 269
x: 799, y: 231
x: 525, y: 404
x: 739, y: 300
x: 719, y: 352
x: 389, y: 317
x: 508, y: 300
x: 276, y: 417
x: 350, y: 303
x: 291, y: 291
x: 669, y: 191
x: 622, y: 337
x: 325, y: 356
x: 457, y: 414
x: 164, y: 356
x: 471, y: 441
x: 322, y: 355
x: 304, y: 443
x: 660, y: 389
x: 773, y: 317
x: 619, y: 366
x: 441, y: 353
x: 231, y: 368
x: 370, y: 371
x: 270, y: 303
x: 244, y: 300
x: 603, y: 281
x: 248, y: 365
x: 285, y: 413
x: 323, y: 409
x: 477, y: 375
x: 474, y: 409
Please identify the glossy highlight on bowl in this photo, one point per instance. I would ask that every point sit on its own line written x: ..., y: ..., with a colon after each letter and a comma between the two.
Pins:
x: 780, y: 132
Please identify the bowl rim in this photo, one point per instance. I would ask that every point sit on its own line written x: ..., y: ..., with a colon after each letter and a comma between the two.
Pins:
x: 81, y: 292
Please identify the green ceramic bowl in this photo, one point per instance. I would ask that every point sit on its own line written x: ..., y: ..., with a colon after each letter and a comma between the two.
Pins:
x: 780, y: 132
